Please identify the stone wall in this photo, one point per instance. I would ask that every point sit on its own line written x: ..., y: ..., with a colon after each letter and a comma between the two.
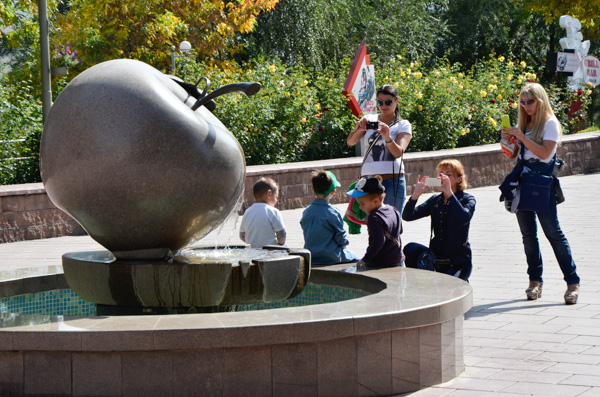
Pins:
x: 26, y: 213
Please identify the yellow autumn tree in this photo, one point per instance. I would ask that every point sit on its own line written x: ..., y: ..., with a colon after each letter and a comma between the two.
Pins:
x: 584, y: 10
x: 146, y: 29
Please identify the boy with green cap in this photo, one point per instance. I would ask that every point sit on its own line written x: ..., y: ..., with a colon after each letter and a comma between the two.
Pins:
x: 322, y: 224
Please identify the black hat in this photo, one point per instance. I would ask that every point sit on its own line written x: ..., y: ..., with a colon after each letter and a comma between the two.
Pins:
x: 366, y: 185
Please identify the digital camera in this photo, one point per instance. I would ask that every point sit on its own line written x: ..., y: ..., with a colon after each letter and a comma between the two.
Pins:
x: 372, y: 125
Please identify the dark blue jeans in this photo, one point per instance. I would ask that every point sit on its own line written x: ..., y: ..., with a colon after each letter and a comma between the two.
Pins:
x: 412, y: 251
x: 558, y: 241
x: 395, y: 192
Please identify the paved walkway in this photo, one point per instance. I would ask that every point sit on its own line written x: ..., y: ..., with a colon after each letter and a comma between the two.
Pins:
x: 513, y: 347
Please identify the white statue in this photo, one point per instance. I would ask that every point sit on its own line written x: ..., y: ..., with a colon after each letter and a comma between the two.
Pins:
x: 573, y: 41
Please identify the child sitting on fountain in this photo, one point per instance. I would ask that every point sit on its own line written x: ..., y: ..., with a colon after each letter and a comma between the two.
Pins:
x: 384, y: 224
x: 262, y: 223
x: 323, y: 226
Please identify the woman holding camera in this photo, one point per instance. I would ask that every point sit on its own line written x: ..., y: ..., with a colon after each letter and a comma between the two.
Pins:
x: 538, y: 132
x: 451, y: 213
x: 385, y: 137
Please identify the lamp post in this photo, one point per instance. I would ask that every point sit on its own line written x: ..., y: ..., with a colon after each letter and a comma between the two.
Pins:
x: 45, y: 58
x: 184, y: 47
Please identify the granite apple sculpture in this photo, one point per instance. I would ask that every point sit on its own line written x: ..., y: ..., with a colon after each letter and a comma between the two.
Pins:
x: 139, y: 161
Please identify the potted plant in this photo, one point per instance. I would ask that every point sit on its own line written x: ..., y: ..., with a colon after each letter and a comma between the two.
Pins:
x: 63, y: 58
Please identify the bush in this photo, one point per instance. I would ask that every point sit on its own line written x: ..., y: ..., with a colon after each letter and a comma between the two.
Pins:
x: 20, y: 132
x: 449, y: 108
x: 294, y: 117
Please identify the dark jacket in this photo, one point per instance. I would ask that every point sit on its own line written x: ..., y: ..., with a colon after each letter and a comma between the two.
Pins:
x: 450, y: 224
x: 382, y: 251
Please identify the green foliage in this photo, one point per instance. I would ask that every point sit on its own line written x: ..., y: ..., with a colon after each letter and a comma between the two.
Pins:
x: 480, y: 27
x: 449, y: 108
x: 294, y: 117
x: 318, y: 33
x: 20, y: 132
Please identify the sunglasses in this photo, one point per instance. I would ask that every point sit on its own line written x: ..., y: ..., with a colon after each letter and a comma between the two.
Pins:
x: 387, y: 102
x: 527, y: 102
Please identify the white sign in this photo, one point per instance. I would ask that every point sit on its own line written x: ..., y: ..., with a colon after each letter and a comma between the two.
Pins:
x: 567, y: 62
x: 591, y: 70
x: 364, y: 89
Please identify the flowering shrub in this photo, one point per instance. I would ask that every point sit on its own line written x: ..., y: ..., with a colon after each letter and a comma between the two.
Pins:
x: 294, y: 117
x: 299, y: 117
x: 65, y: 56
x: 449, y: 108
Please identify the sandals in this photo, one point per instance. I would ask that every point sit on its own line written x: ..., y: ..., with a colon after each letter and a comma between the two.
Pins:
x: 572, y: 294
x: 534, y: 291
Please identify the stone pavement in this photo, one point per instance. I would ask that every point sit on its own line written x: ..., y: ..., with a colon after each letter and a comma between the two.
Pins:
x: 513, y: 347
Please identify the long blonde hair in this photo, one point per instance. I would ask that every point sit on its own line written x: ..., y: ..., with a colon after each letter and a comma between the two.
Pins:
x: 543, y: 113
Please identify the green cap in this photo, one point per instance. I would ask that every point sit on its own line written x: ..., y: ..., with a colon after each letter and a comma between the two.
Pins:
x: 334, y: 185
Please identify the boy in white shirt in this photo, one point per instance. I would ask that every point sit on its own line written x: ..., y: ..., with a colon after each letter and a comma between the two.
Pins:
x: 262, y: 223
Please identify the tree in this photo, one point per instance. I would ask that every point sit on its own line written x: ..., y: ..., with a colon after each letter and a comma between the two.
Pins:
x: 551, y: 10
x: 317, y: 33
x: 146, y: 29
x: 480, y: 27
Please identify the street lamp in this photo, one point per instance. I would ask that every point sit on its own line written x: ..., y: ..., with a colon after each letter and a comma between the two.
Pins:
x: 184, y: 47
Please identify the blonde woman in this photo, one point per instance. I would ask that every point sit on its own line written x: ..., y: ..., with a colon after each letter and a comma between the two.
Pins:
x: 539, y: 133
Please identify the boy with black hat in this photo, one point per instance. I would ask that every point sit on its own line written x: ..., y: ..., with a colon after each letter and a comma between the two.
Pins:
x: 384, y: 223
x: 322, y: 224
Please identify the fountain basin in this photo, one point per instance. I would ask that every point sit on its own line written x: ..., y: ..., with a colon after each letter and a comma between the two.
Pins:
x: 405, y: 335
x: 272, y: 275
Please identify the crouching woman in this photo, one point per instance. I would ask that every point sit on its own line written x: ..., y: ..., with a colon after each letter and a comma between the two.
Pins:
x: 451, y: 212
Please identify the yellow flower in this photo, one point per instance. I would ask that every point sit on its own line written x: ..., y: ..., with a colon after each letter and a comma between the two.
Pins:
x: 509, y: 77
x: 588, y: 92
x: 303, y: 120
x: 499, y: 96
x: 533, y: 76
x: 420, y: 108
x: 460, y: 87
x: 287, y: 94
x: 419, y: 95
x: 461, y: 75
x: 304, y: 83
x: 483, y: 94
x: 492, y: 121
x: 590, y: 84
x: 520, y: 81
x: 396, y: 85
x: 427, y: 80
x: 492, y: 87
x: 309, y: 100
x: 399, y: 57
x: 273, y: 68
x: 469, y: 117
x: 463, y: 132
x: 511, y: 64
x: 501, y: 58
x: 402, y: 74
x: 514, y: 105
x: 408, y: 71
x: 523, y: 64
x: 412, y: 65
x: 318, y: 107
x: 418, y: 75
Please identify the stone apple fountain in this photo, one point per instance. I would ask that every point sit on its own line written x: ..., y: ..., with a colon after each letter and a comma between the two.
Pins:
x: 140, y: 161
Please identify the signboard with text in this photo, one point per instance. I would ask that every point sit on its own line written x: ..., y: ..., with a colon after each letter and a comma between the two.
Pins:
x: 591, y: 70
x: 567, y: 62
